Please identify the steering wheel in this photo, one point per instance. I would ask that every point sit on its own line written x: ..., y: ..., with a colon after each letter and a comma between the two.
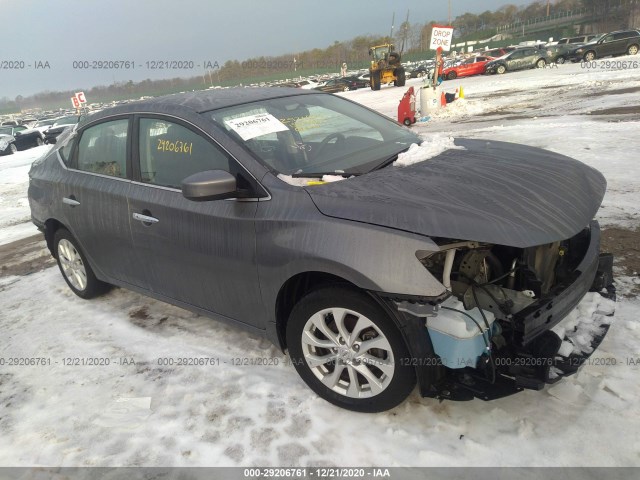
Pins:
x: 340, y: 139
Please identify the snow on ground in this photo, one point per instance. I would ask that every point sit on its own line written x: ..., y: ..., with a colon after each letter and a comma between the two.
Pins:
x: 153, y: 414
x: 222, y: 414
x: 14, y: 206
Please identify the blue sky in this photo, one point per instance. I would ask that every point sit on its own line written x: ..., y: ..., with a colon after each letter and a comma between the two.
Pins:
x: 65, y: 31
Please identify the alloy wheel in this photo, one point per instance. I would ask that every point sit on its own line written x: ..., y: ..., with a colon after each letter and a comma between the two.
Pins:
x: 72, y: 264
x: 348, y: 353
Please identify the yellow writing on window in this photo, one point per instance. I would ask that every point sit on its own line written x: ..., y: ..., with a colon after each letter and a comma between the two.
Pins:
x: 178, y: 146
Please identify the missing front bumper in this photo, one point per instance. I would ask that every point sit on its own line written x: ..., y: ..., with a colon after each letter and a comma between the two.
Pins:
x: 552, y: 355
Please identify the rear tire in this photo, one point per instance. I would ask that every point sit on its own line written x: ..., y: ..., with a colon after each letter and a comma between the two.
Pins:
x: 589, y: 56
x: 560, y: 60
x: 632, y: 50
x: 74, y: 267
x: 452, y: 75
x: 541, y: 63
x: 501, y: 69
x: 39, y: 142
x: 348, y: 350
x: 401, y: 78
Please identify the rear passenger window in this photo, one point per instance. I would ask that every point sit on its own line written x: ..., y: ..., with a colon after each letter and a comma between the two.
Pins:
x: 169, y: 153
x: 103, y: 149
x: 623, y: 35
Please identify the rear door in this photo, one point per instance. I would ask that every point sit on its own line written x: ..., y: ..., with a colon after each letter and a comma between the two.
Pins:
x: 93, y: 198
x: 199, y: 253
x: 530, y: 56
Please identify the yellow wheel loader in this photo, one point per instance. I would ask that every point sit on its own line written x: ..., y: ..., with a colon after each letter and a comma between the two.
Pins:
x: 385, y: 67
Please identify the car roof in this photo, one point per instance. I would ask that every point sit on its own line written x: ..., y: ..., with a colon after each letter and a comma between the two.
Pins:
x: 199, y: 101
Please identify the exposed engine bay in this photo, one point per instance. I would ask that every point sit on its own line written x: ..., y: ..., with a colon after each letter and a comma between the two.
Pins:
x: 504, y: 280
x: 504, y: 301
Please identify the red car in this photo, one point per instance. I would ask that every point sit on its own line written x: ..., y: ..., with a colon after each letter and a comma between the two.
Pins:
x: 471, y: 66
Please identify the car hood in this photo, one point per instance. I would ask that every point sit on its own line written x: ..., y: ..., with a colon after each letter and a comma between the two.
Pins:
x: 494, y: 192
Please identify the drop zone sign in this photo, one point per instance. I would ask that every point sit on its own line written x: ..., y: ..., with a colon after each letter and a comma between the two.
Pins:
x: 441, y: 38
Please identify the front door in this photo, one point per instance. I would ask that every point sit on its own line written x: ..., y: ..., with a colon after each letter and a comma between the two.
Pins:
x: 199, y: 253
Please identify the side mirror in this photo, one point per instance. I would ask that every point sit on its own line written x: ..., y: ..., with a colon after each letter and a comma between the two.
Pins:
x: 53, y: 140
x: 17, y: 134
x: 210, y: 185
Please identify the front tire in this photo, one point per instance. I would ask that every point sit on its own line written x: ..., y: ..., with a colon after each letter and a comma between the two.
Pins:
x: 501, y: 69
x: 74, y: 267
x: 348, y: 350
x: 560, y: 60
x: 375, y: 80
x: 452, y: 76
x: 541, y: 63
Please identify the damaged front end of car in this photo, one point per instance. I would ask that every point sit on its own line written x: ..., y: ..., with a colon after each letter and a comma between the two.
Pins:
x: 514, y: 318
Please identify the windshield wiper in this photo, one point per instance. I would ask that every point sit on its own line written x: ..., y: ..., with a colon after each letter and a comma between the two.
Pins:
x: 322, y: 174
x: 388, y: 161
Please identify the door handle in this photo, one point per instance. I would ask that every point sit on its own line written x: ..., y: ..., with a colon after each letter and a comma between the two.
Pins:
x: 70, y: 201
x: 145, y: 218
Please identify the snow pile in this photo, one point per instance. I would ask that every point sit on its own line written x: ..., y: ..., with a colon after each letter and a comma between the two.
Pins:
x: 304, y: 181
x: 459, y: 108
x: 332, y: 178
x: 430, y: 148
x: 583, y: 324
x: 295, y: 181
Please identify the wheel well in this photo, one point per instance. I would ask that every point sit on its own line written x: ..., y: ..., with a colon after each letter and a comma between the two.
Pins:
x: 51, y: 226
x: 294, y: 289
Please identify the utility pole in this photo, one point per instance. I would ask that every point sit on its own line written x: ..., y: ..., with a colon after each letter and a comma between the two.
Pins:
x: 548, y: 7
x: 449, y: 12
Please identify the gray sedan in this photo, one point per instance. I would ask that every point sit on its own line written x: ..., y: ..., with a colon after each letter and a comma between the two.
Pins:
x: 281, y: 211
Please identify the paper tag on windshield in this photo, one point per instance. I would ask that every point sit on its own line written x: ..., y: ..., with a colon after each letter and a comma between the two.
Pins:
x: 253, y: 126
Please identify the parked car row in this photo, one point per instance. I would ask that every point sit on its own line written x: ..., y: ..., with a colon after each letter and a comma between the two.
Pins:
x: 15, y: 137
x: 18, y: 137
x: 343, y: 84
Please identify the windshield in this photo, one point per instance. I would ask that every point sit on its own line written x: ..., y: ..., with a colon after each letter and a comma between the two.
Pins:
x: 597, y: 38
x: 314, y: 134
x: 66, y: 120
x: 44, y: 123
x: 379, y: 53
